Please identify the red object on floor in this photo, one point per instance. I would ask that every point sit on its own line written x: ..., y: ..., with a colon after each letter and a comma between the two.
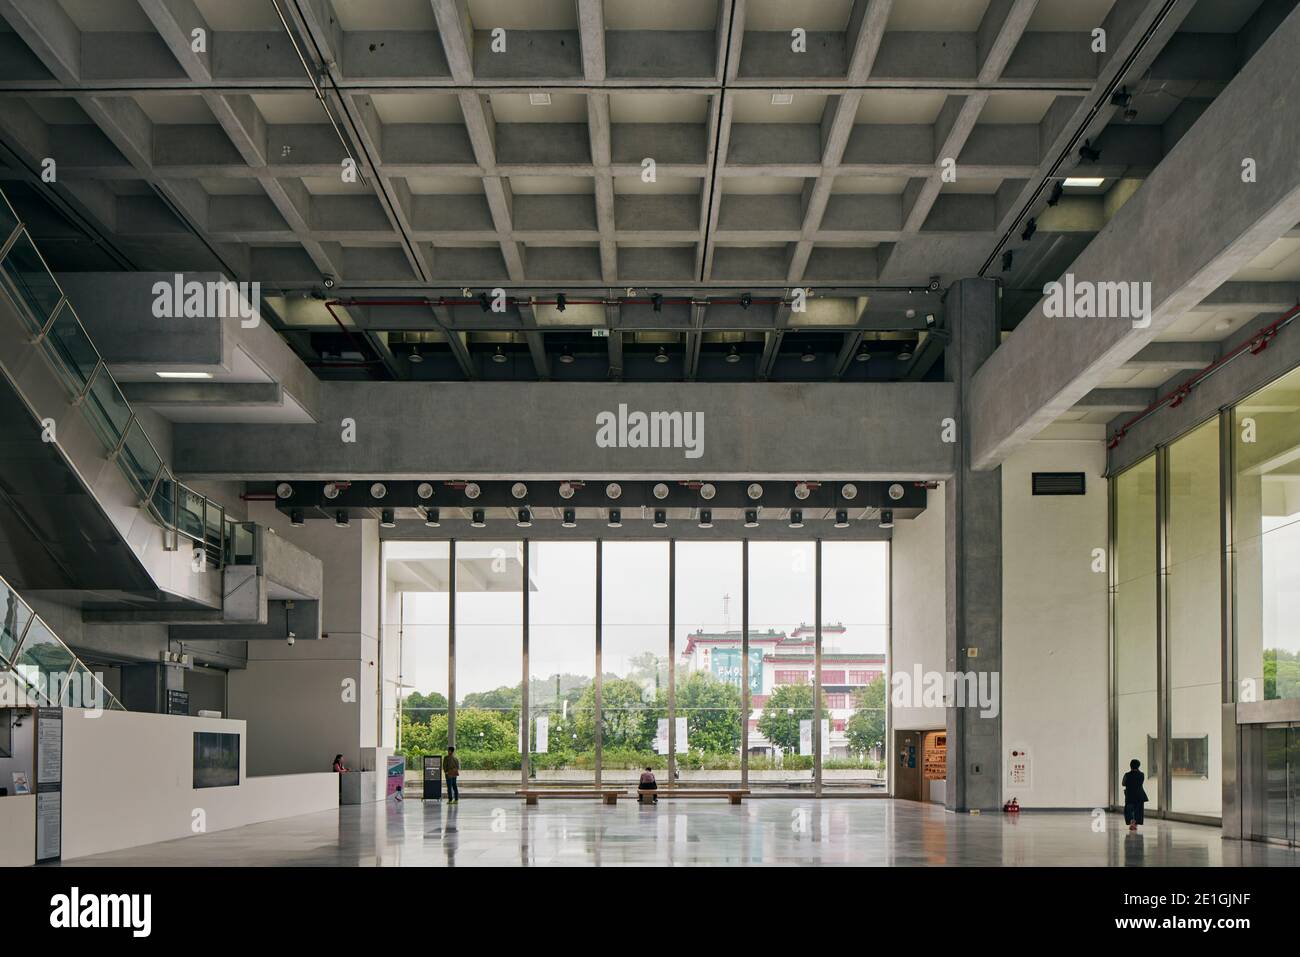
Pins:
x: 1012, y: 806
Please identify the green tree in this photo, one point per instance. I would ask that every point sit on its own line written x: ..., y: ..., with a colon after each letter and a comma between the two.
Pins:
x: 504, y: 700
x: 630, y: 720
x: 1281, y: 673
x: 867, y: 724
x: 712, y: 709
x: 478, y: 729
x: 421, y: 707
x: 787, y: 706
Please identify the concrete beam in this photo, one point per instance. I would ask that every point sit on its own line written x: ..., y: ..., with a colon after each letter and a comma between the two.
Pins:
x: 1117, y: 400
x: 1190, y: 227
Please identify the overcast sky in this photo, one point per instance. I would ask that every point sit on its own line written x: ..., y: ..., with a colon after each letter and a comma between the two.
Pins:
x: 563, y: 610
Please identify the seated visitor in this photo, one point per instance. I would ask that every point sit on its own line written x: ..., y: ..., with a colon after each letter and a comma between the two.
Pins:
x: 339, y: 766
x: 648, y: 783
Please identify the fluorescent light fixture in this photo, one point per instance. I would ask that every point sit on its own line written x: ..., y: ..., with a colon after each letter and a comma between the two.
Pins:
x: 183, y: 375
x: 1092, y: 182
x: 539, y: 99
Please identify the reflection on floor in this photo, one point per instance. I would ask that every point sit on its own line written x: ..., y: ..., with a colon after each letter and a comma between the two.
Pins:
x: 489, y: 831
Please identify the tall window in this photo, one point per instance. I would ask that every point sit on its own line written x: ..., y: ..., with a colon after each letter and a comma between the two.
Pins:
x: 1192, y: 578
x: 489, y: 659
x: 634, y: 639
x: 710, y: 666
x: 415, y: 648
x: 1135, y: 622
x: 562, y: 659
x: 1266, y: 532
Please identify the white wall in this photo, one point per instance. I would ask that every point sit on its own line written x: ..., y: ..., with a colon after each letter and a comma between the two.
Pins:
x: 1054, y: 627
x: 128, y: 780
x: 918, y: 617
x: 18, y: 830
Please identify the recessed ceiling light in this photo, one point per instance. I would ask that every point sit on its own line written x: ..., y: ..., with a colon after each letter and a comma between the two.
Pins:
x: 183, y: 375
x: 539, y: 99
x: 782, y: 99
x: 1092, y: 182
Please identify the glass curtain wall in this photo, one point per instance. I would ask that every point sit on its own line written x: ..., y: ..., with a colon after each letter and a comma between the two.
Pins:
x: 1135, y: 624
x: 855, y: 630
x: 415, y: 642
x: 1192, y: 582
x: 562, y: 661
x: 710, y: 666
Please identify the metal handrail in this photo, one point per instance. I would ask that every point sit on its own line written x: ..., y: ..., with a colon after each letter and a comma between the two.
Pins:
x: 79, y: 396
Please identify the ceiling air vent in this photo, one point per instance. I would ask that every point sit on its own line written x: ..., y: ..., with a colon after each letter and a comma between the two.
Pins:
x: 1059, y: 483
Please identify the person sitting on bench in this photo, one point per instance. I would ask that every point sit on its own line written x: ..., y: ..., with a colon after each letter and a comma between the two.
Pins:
x: 647, y: 783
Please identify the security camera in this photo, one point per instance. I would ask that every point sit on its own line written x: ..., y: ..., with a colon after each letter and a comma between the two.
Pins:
x: 290, y: 638
x: 329, y: 281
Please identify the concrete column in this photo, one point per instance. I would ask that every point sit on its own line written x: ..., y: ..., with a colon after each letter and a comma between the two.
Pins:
x: 973, y: 564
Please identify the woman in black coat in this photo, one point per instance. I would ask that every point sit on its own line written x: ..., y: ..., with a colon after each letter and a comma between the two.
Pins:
x: 1134, y: 795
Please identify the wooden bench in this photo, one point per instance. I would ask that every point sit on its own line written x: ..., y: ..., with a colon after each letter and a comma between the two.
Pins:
x: 608, y: 795
x: 734, y: 795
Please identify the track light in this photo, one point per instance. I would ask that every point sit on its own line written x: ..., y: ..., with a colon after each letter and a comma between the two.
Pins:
x: 706, y: 518
x: 341, y: 518
x: 431, y: 518
x: 887, y: 518
x: 519, y: 490
x: 796, y: 518
x: 1058, y: 190
x: 499, y: 355
x: 613, y: 490
x: 661, y: 357
x: 751, y: 518
x: 661, y: 518
x: 733, y: 355
x: 378, y: 490
x: 525, y: 519
x: 754, y: 491
x: 295, y: 518
x: 660, y: 491
x: 746, y: 300
x: 848, y: 491
x: 331, y: 490
x: 284, y: 490
x: 477, y: 519
x: 615, y: 518
x: 896, y: 491
x: 657, y: 302
x: 802, y: 491
x: 841, y: 518
x: 387, y: 519
x: 1031, y: 227
x: 570, y: 519
x: 561, y: 300
x: 566, y: 490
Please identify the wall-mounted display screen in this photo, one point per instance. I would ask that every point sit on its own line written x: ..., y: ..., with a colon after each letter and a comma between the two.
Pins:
x: 216, y: 759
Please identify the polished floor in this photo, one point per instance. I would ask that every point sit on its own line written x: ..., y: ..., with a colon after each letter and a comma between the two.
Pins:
x: 491, y: 832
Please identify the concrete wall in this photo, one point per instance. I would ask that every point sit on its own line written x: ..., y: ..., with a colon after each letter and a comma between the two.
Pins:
x: 918, y: 606
x: 1054, y: 627
x: 18, y: 830
x: 308, y: 701
x: 128, y: 780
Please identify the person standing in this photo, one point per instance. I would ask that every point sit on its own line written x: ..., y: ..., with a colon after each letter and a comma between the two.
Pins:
x: 452, y: 768
x: 1134, y: 795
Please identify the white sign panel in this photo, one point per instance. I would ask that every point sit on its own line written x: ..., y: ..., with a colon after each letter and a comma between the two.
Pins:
x: 806, y: 737
x: 661, y: 737
x: 543, y: 733
x: 682, y: 746
x: 49, y: 825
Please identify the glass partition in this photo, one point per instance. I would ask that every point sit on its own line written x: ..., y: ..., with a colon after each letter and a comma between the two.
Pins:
x: 29, y: 282
x: 562, y: 660
x: 1135, y: 623
x: 140, y: 459
x: 42, y: 656
x: 107, y: 409
x: 16, y: 617
x: 75, y: 355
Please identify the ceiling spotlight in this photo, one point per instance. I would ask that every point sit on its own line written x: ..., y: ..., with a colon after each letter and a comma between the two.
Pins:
x: 1058, y: 189
x: 1121, y: 97
x: 802, y: 491
x: 567, y: 356
x: 613, y: 490
x: 1008, y: 258
x: 707, y: 491
x: 661, y: 518
x: 341, y: 518
x: 378, y: 490
x: 295, y: 518
x: 483, y: 302
x: 331, y: 490
x: 808, y: 355
x: 615, y: 518
x: 424, y: 490
x: 755, y: 491
x: 284, y: 490
x: 329, y: 281
x: 1031, y: 227
x: 905, y: 354
x: 415, y: 356
x: 431, y: 518
x: 570, y: 519
x: 477, y: 519
x: 733, y: 355
x: 746, y: 300
x: 706, y: 518
x: 657, y: 302
x: 887, y: 518
x: 519, y: 490
x: 387, y: 519
x: 660, y: 491
x: 863, y: 355
x: 525, y: 519
x: 661, y: 356
x: 1089, y: 153
x: 841, y: 518
x: 499, y: 355
x: 561, y: 300
x: 566, y: 490
x: 796, y: 518
x: 472, y: 490
x: 896, y: 491
x: 848, y: 491
x: 751, y: 518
